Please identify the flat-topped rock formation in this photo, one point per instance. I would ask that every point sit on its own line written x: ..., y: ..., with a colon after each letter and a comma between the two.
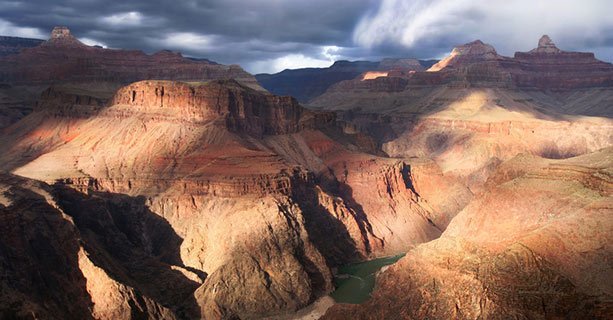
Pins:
x: 547, y: 67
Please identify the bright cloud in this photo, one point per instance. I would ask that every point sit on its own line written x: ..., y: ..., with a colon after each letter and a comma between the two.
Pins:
x: 508, y: 25
x: 9, y: 29
x: 332, y: 53
x: 326, y: 57
x: 184, y: 41
x: 92, y: 42
x: 124, y: 19
x: 290, y: 61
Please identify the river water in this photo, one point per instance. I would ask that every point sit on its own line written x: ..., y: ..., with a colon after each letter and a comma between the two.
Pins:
x: 355, y: 282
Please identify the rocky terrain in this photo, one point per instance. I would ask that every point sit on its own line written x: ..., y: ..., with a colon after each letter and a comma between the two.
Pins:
x: 126, y: 193
x: 476, y: 108
x: 308, y: 83
x: 530, y: 136
x: 259, y: 196
x: 534, y: 246
x: 63, y: 59
x: 560, y: 81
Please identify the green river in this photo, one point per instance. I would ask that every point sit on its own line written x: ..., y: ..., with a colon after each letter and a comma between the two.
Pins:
x: 355, y: 282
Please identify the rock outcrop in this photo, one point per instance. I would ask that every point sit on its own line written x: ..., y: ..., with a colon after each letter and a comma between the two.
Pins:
x: 472, y: 52
x: 66, y: 255
x: 546, y: 45
x: 535, y: 246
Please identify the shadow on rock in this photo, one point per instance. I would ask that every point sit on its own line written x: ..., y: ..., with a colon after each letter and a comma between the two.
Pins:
x: 134, y: 246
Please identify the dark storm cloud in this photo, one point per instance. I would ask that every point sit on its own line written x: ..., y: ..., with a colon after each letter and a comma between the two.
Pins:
x: 269, y: 35
x: 228, y: 31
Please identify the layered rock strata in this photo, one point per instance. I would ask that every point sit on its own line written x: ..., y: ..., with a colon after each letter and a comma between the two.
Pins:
x: 262, y: 197
x: 64, y: 61
x: 534, y: 247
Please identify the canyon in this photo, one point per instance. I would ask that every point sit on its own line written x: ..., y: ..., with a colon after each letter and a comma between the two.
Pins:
x: 160, y: 187
x: 530, y: 136
x: 219, y: 164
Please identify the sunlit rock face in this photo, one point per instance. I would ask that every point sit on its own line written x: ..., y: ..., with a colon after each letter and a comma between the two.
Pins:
x: 476, y: 108
x: 476, y: 51
x: 534, y: 246
x: 374, y: 75
x: 256, y: 197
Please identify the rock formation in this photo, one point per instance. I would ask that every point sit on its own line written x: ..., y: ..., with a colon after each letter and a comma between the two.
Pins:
x: 63, y: 59
x: 472, y: 52
x: 261, y: 196
x: 476, y: 108
x: 535, y: 246
x: 546, y: 45
x: 306, y: 84
x: 477, y: 64
x: 515, y: 131
x: 211, y: 199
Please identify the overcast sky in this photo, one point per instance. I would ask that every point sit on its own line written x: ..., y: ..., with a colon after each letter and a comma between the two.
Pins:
x: 271, y: 35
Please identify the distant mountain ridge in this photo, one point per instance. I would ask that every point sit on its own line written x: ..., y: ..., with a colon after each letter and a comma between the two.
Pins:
x: 12, y: 45
x: 307, y: 83
x: 29, y: 66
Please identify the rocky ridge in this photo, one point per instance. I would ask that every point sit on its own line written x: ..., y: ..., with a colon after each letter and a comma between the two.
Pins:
x: 477, y: 64
x: 64, y: 61
x: 63, y: 58
x: 12, y: 45
x: 306, y: 84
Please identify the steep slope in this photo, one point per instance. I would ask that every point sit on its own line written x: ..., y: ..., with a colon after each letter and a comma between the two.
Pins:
x: 536, y: 246
x: 66, y: 255
x: 265, y: 197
